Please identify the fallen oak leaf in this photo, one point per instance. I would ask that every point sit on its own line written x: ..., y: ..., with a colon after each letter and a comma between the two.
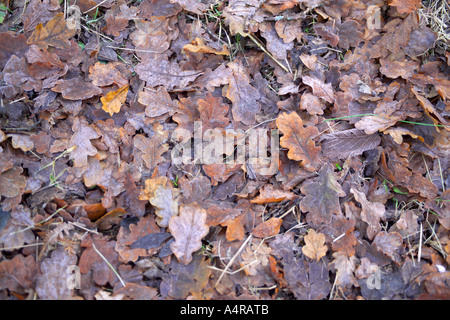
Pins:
x: 320, y: 89
x: 397, y: 134
x: 269, y: 194
x: 345, y: 268
x: 55, y: 34
x: 105, y: 74
x: 188, y: 229
x: 268, y: 228
x: 163, y: 196
x: 322, y: 194
x: 12, y: 183
x: 198, y: 45
x: 81, y: 139
x: 166, y: 73
x: 76, y: 89
x: 298, y: 140
x: 371, y: 213
x: 114, y: 100
x: 314, y: 247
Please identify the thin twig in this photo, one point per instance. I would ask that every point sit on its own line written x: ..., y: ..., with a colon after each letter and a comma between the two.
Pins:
x: 109, y: 265
x: 256, y: 41
x: 233, y: 258
x: 420, y: 244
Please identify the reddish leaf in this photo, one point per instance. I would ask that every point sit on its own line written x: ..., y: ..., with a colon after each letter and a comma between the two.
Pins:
x: 269, y: 194
x: 268, y: 228
x: 199, y: 46
x: 12, y: 183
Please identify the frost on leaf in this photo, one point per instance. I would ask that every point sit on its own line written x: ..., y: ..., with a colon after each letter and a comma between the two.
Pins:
x: 188, y: 229
x: 81, y: 139
x: 51, y: 284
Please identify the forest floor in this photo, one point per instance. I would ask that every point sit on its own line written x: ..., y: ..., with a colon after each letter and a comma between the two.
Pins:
x: 188, y: 149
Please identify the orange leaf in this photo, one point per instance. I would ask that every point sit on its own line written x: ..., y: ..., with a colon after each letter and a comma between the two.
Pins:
x: 315, y: 247
x: 268, y: 195
x: 114, y: 100
x: 268, y: 228
x: 299, y: 140
x: 55, y: 34
x: 199, y: 46
x: 235, y: 228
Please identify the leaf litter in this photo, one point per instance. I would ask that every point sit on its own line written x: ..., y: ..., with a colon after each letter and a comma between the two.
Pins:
x: 95, y: 114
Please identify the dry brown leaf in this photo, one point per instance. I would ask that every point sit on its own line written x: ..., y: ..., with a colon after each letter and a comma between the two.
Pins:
x: 268, y: 228
x: 166, y: 73
x: 299, y: 140
x: 397, y: 134
x: 100, y: 265
x: 345, y: 267
x: 373, y: 124
x: 105, y: 74
x: 51, y: 284
x: 212, y: 112
x: 163, y: 196
x: 372, y: 213
x: 81, y: 139
x: 235, y: 228
x: 320, y: 89
x: 314, y: 247
x: 188, y: 229
x: 312, y: 104
x: 322, y: 194
x: 76, y: 89
x: 390, y: 243
x: 406, y: 6
x: 114, y: 100
x: 55, y: 33
x: 198, y: 45
x: 268, y: 194
x: 152, y: 148
x: 243, y: 95
x: 157, y: 102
